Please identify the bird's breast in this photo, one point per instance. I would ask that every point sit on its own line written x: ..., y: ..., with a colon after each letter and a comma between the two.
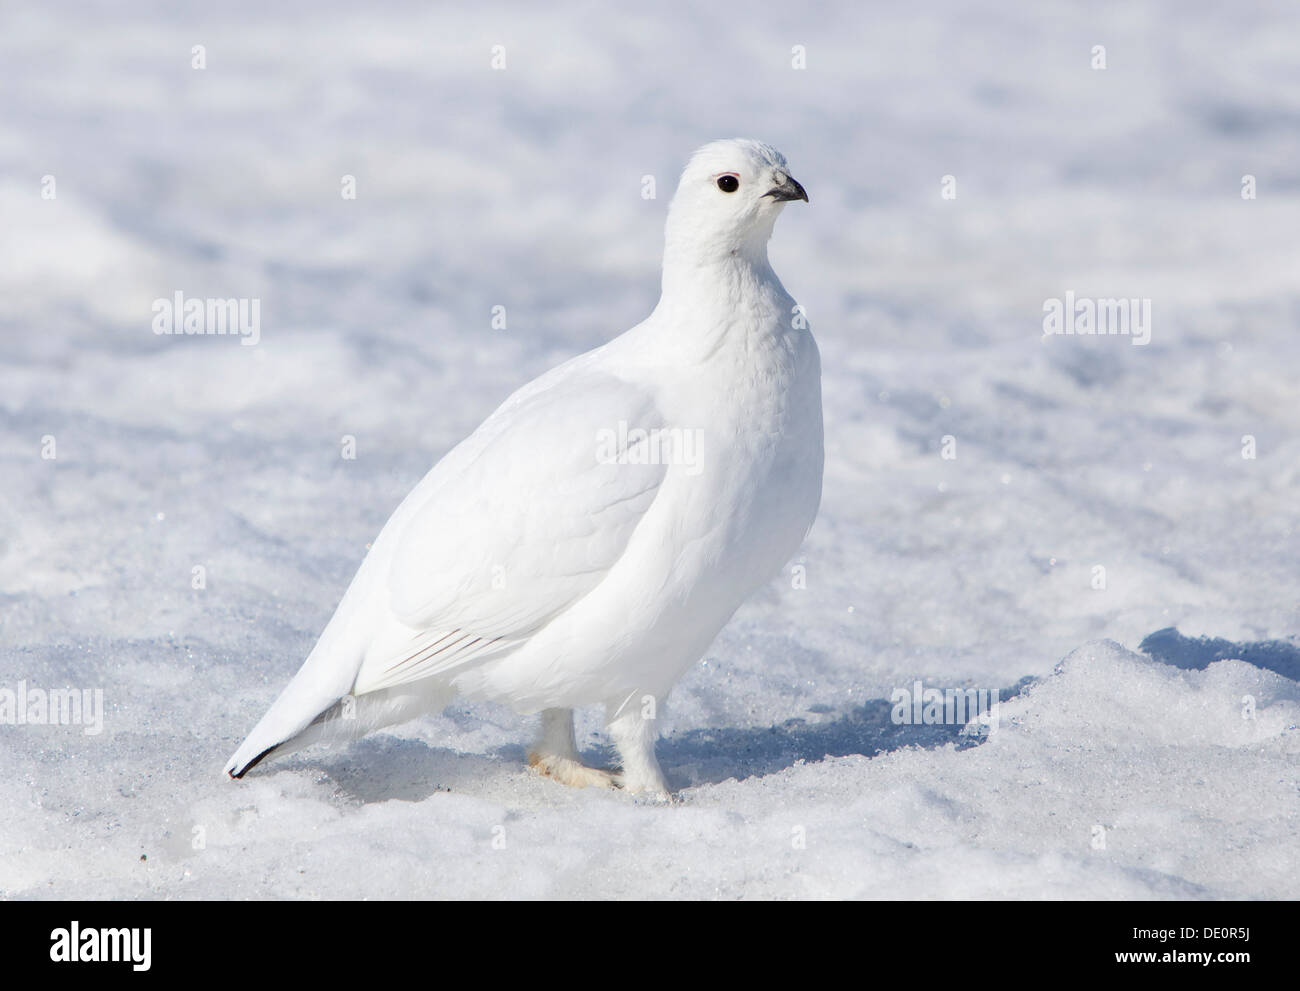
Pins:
x: 753, y: 488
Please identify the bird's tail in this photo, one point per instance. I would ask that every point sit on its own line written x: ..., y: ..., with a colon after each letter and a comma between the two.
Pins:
x: 326, y: 676
x: 292, y: 714
x: 342, y: 721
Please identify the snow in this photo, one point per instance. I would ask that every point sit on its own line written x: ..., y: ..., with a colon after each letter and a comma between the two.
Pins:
x: 1168, y: 771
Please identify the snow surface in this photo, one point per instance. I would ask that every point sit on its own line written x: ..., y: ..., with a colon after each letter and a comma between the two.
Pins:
x: 1113, y: 772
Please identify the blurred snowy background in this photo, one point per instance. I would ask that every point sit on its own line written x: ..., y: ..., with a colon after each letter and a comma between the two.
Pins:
x: 1168, y: 771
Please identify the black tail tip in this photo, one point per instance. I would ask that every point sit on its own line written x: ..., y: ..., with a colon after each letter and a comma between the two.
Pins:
x: 251, y: 764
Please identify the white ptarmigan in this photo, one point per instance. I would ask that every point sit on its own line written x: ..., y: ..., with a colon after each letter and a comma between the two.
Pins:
x: 588, y: 541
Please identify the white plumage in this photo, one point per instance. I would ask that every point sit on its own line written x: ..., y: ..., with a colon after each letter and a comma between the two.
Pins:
x: 537, y: 566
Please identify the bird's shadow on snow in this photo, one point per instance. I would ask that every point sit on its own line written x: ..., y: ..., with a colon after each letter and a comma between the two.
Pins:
x: 380, y: 769
x: 710, y: 756
x: 383, y: 769
x: 1197, y: 653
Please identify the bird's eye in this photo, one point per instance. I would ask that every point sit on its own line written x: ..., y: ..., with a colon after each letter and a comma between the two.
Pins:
x: 728, y: 183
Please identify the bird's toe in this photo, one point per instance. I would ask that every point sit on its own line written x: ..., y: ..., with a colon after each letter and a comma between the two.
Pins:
x: 568, y: 771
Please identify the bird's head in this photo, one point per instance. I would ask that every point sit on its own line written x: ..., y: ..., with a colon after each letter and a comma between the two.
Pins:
x: 730, y: 195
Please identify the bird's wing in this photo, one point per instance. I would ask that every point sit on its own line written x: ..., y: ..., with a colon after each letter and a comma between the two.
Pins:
x: 521, y: 531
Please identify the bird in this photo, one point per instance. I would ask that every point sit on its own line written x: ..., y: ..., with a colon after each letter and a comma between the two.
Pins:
x: 589, y: 540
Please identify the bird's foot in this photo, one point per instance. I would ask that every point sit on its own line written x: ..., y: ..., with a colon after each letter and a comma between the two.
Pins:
x: 573, y: 773
x: 653, y: 791
x: 657, y: 797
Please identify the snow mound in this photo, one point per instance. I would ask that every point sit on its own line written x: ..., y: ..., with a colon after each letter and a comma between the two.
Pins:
x: 1114, y: 777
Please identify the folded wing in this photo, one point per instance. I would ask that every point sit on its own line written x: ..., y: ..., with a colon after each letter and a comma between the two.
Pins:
x: 520, y: 531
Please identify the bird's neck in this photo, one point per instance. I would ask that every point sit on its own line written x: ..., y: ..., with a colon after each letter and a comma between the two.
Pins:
x: 713, y: 276
x: 708, y: 300
x: 695, y: 256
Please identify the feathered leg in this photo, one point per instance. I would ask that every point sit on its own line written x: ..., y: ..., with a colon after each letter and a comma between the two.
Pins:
x: 634, y: 728
x: 555, y: 754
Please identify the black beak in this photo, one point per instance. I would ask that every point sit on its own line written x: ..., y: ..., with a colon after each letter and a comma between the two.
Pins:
x: 788, y: 190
